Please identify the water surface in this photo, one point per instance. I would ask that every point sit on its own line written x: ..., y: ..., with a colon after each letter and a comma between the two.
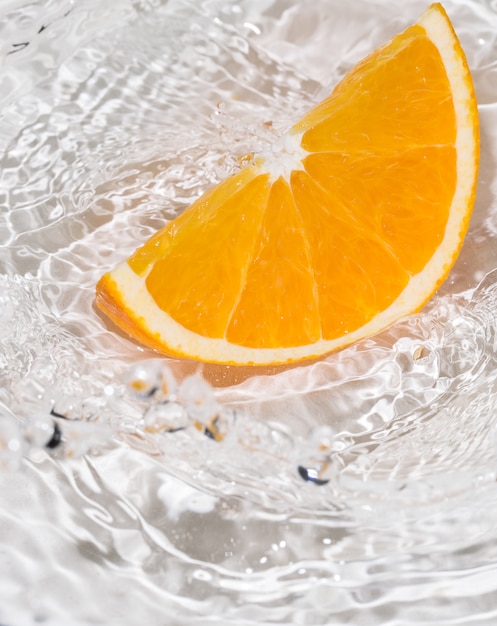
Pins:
x: 113, y: 117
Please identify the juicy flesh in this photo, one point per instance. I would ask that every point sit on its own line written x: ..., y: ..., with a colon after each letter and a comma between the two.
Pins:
x: 315, y: 255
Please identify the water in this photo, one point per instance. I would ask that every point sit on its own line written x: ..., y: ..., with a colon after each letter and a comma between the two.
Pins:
x: 113, y: 117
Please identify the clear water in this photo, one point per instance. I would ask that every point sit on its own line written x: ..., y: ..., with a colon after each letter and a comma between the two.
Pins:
x: 113, y: 117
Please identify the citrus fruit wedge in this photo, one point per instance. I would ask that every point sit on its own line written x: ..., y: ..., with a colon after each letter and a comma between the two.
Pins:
x: 351, y: 221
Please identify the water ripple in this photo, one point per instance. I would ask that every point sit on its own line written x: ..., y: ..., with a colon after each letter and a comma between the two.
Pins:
x: 113, y: 118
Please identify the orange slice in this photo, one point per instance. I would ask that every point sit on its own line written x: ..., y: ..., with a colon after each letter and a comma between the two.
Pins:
x: 350, y: 222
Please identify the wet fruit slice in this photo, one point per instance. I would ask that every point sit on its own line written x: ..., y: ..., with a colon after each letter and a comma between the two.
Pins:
x: 351, y: 222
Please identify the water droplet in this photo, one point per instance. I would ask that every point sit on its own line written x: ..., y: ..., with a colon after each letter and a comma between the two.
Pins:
x: 222, y: 425
x: 322, y: 440
x: 11, y: 443
x: 56, y: 438
x: 81, y: 437
x: 198, y: 397
x: 143, y: 379
x: 66, y: 406
x: 93, y: 407
x: 420, y: 352
x: 39, y: 430
x: 169, y: 385
x: 315, y: 472
x: 165, y: 417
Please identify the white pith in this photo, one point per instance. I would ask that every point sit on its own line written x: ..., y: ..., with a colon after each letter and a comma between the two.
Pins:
x: 281, y: 160
x: 285, y: 155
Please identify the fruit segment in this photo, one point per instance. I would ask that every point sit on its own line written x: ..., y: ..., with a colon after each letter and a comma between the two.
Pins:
x: 278, y: 303
x: 350, y: 222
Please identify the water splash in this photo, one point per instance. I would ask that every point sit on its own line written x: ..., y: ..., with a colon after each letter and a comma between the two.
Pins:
x: 113, y: 119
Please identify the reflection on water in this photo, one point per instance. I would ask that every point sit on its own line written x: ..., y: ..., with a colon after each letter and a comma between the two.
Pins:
x: 113, y: 118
